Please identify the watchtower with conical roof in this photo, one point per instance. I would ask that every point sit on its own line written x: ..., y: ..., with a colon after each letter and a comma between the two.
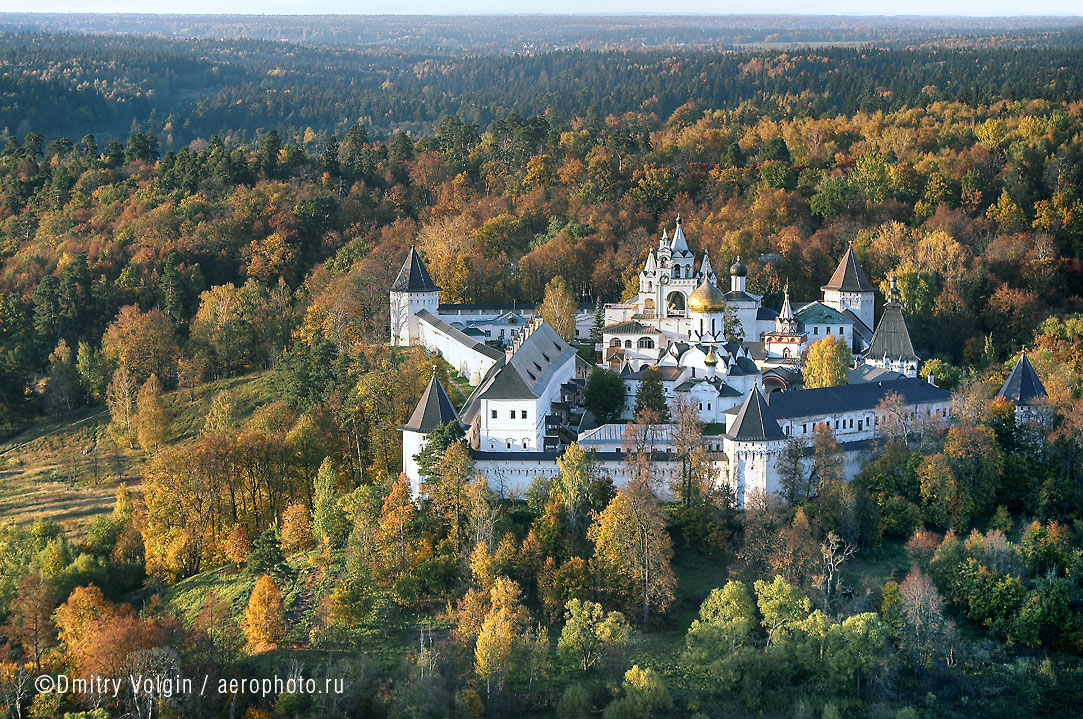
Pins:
x: 753, y: 442
x: 412, y: 291
x: 849, y: 290
x: 433, y: 410
x: 1024, y: 390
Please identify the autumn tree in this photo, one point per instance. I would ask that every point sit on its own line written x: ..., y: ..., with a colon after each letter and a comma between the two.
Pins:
x: 447, y: 488
x: 827, y: 363
x: 558, y: 308
x: 924, y: 630
x: 827, y: 459
x: 151, y: 416
x: 795, y: 556
x: 121, y: 398
x: 78, y: 618
x: 327, y: 523
x: 630, y: 539
x: 296, y: 528
x: 577, y: 472
x: 976, y: 462
x: 727, y: 618
x: 142, y: 342
x: 264, y: 619
x: 31, y: 617
x: 221, y: 417
x: 782, y: 606
x: 236, y: 546
x: 693, y: 481
x: 943, y: 502
x: 395, y: 520
x: 590, y: 634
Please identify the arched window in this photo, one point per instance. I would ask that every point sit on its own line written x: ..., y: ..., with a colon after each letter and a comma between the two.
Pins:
x: 628, y: 344
x: 650, y: 287
x: 676, y: 272
x: 646, y: 343
x: 785, y: 351
x: 675, y: 304
x: 615, y: 342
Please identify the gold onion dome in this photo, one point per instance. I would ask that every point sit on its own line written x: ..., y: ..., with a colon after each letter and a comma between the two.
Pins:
x: 711, y: 359
x: 706, y: 298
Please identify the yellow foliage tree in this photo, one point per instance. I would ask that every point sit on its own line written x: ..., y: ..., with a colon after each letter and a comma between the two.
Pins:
x: 558, y: 308
x: 264, y: 620
x: 151, y: 417
x: 827, y: 363
x: 79, y: 617
x: 296, y: 528
x: 630, y: 539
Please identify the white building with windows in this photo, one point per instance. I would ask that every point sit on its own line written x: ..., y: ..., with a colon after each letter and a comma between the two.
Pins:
x: 526, y: 405
x: 464, y: 335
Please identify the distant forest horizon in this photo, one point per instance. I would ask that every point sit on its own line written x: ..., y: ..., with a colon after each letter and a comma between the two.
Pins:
x: 185, y: 78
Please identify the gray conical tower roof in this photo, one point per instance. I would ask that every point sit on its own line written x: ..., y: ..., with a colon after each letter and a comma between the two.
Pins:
x: 755, y: 421
x: 413, y: 277
x: 433, y: 410
x: 892, y: 337
x: 680, y: 244
x: 1022, y: 385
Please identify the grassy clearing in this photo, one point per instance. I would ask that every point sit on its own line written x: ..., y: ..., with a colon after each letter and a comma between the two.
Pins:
x: 68, y: 469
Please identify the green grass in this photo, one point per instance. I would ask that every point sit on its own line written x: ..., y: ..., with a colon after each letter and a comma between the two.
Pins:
x: 68, y: 468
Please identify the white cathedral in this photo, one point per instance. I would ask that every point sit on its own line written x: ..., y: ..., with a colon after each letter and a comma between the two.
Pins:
x: 737, y: 361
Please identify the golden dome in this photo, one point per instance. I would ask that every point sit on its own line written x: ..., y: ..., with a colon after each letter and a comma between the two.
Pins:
x: 706, y: 298
x: 711, y: 359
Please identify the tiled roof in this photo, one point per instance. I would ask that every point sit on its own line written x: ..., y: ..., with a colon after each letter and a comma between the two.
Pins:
x: 1022, y: 385
x: 892, y: 338
x: 849, y: 277
x: 853, y: 397
x: 755, y: 421
x: 433, y: 410
x: 413, y: 277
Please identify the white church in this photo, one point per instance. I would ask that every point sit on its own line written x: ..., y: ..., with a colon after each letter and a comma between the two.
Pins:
x: 737, y: 361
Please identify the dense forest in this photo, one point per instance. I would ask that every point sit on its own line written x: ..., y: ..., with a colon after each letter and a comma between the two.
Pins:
x: 197, y: 238
x: 187, y: 89
x: 501, y: 34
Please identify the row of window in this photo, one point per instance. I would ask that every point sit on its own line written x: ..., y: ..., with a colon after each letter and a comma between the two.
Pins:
x: 644, y: 343
x: 816, y: 330
x: 873, y: 421
x: 522, y: 414
x: 526, y: 444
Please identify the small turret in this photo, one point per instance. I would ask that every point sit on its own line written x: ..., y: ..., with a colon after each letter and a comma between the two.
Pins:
x: 705, y: 270
x: 680, y: 244
x: 738, y: 274
x: 711, y: 362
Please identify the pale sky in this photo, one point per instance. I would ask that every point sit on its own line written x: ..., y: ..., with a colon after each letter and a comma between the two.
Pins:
x: 438, y: 7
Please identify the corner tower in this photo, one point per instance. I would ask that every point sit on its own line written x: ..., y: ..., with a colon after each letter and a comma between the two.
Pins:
x: 412, y: 291
x: 850, y: 290
x: 433, y: 410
